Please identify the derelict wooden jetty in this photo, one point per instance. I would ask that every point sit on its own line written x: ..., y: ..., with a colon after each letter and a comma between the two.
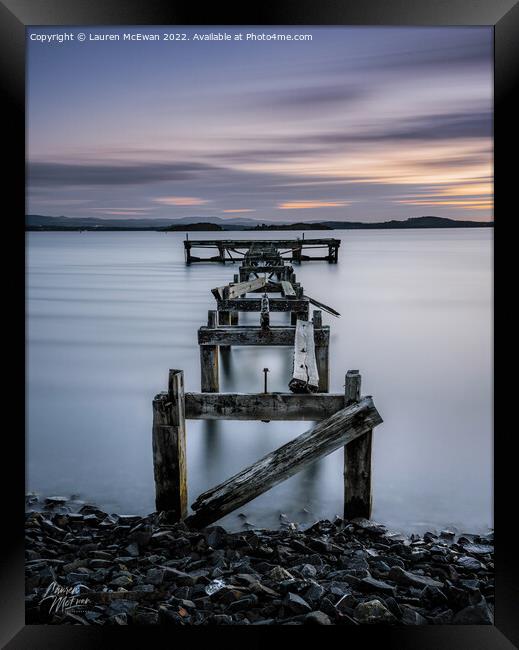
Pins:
x: 233, y: 250
x: 265, y: 283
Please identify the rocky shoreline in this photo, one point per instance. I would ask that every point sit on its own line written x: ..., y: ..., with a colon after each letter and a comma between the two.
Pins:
x: 92, y: 568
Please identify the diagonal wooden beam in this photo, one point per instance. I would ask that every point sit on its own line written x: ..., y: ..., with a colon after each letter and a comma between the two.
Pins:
x: 341, y: 428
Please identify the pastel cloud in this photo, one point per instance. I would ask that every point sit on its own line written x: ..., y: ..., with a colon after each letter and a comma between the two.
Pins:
x: 311, y: 205
x: 183, y: 201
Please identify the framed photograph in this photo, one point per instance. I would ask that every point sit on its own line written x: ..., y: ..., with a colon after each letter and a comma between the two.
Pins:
x: 255, y: 292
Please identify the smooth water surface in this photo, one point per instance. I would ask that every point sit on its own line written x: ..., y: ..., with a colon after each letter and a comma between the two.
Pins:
x: 109, y: 313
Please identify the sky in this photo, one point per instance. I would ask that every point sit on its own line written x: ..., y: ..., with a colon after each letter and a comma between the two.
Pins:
x: 356, y: 124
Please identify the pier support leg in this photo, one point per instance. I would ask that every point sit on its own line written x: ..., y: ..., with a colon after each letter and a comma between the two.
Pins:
x: 169, y: 448
x: 188, y: 253
x: 209, y: 375
x: 224, y: 318
x: 322, y: 356
x: 357, y: 461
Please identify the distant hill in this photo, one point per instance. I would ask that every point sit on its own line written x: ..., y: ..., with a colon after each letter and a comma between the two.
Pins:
x: 193, y: 227
x: 34, y: 222
x: 411, y: 222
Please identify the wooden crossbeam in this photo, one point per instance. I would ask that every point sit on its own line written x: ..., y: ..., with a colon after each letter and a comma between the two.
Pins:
x: 341, y: 428
x: 262, y: 406
x: 254, y: 304
x: 248, y: 335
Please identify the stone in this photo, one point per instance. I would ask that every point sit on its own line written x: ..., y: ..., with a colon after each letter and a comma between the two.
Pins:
x: 402, y: 577
x: 121, y: 606
x: 278, y: 574
x: 373, y: 612
x: 308, y: 571
x: 317, y: 618
x: 433, y: 597
x: 314, y: 593
x: 296, y: 604
x: 467, y: 563
x: 411, y: 617
x: 370, y: 585
x: 145, y: 617
x: 443, y: 618
x: 478, y: 549
x: 479, y: 614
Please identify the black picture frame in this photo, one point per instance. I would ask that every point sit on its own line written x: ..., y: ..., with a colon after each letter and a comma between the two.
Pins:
x: 15, y: 15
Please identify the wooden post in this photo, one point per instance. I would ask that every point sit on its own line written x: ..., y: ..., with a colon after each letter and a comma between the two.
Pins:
x: 187, y: 248
x: 212, y: 318
x: 265, y: 314
x: 209, y: 374
x: 322, y: 355
x: 169, y: 448
x: 357, y: 460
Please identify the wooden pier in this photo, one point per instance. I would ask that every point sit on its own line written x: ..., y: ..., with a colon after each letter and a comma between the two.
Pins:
x: 340, y: 420
x: 237, y: 250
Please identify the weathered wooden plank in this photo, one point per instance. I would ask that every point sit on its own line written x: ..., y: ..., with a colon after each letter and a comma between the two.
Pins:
x: 257, y: 243
x: 357, y: 461
x: 254, y: 304
x: 287, y: 288
x: 321, y: 440
x: 169, y: 448
x: 321, y: 305
x: 305, y: 376
x: 262, y: 406
x: 248, y: 335
x: 231, y: 291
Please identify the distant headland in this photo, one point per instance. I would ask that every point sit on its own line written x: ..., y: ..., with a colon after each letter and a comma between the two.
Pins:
x: 211, y: 224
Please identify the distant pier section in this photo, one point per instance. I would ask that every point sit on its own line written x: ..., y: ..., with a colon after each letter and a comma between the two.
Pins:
x: 240, y: 250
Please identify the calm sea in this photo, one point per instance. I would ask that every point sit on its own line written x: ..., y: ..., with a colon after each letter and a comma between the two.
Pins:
x: 110, y: 313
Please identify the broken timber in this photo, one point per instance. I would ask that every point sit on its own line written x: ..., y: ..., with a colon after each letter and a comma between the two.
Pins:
x: 240, y: 289
x: 340, y: 429
x: 305, y: 377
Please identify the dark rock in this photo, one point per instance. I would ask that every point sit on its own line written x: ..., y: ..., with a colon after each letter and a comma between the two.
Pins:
x: 433, y: 597
x: 243, y: 604
x: 402, y: 577
x: 441, y: 618
x: 371, y: 585
x: 317, y: 618
x: 411, y: 617
x: 467, y: 563
x: 145, y: 617
x: 121, y: 606
x: 373, y: 612
x: 479, y: 614
x: 314, y: 593
x: 296, y: 604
